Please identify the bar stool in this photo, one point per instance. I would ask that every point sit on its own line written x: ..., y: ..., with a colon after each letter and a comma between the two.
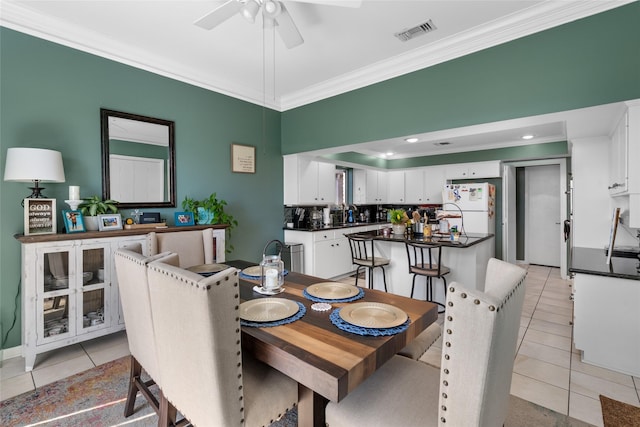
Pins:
x: 424, y: 260
x: 363, y: 255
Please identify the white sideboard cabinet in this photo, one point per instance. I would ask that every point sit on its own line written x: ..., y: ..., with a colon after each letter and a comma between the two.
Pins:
x: 70, y: 289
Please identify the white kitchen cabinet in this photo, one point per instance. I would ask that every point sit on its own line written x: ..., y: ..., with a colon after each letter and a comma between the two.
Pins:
x: 490, y: 169
x: 70, y: 289
x: 424, y: 185
x: 609, y: 337
x: 308, y: 182
x: 395, y: 187
x: 434, y: 181
x: 618, y: 160
x: 369, y: 186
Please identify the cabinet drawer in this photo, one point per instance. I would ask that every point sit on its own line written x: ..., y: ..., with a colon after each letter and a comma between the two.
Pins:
x: 319, y: 236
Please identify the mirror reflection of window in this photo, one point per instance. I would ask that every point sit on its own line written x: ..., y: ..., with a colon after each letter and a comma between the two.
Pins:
x: 138, y: 160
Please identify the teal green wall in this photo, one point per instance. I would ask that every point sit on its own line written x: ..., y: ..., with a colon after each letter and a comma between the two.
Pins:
x: 588, y: 62
x: 51, y: 98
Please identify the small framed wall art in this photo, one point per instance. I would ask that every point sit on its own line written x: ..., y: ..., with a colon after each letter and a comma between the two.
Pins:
x: 243, y: 158
x: 109, y: 222
x: 183, y: 218
x: 39, y: 216
x: 73, y: 222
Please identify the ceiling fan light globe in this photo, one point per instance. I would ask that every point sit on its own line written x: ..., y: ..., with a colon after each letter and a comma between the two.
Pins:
x: 271, y: 8
x: 250, y: 10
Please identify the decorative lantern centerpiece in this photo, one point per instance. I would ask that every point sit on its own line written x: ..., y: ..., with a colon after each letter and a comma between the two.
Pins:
x: 272, y: 268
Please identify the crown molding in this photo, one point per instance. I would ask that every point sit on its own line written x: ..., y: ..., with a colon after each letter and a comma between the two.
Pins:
x: 535, y: 19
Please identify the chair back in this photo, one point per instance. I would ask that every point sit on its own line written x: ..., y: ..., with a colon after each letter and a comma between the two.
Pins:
x: 479, y: 346
x: 424, y: 258
x: 131, y: 271
x: 194, y: 247
x: 197, y: 330
x: 362, y: 249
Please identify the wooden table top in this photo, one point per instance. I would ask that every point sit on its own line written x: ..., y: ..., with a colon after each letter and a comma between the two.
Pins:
x: 317, y: 354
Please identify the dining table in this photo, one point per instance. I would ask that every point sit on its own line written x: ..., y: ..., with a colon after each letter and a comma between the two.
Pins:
x: 326, y: 362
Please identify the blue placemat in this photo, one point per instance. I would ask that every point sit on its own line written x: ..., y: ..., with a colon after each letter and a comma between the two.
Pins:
x: 308, y: 296
x: 301, y: 312
x: 359, y: 330
x: 250, y: 277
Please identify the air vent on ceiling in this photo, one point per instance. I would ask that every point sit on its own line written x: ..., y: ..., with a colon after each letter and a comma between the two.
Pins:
x: 442, y: 143
x: 416, y: 31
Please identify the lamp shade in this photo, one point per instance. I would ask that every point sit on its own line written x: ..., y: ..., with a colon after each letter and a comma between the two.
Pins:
x: 33, y: 164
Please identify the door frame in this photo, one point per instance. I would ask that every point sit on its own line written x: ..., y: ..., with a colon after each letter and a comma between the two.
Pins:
x: 508, y: 200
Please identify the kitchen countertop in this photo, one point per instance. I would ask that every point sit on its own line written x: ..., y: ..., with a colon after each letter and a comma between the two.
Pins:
x: 445, y: 240
x: 594, y: 261
x: 338, y: 226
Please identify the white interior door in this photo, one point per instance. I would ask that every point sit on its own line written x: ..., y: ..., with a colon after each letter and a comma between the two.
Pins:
x: 542, y: 215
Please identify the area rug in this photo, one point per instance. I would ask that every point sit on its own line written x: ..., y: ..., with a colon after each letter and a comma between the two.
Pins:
x: 96, y: 398
x: 619, y: 414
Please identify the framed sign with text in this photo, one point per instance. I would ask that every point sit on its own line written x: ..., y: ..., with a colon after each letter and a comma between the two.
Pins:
x: 243, y: 158
x: 39, y: 216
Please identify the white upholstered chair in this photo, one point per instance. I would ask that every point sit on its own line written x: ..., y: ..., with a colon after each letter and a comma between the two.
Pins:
x: 194, y: 247
x: 205, y: 375
x: 416, y: 348
x: 472, y: 386
x: 131, y: 269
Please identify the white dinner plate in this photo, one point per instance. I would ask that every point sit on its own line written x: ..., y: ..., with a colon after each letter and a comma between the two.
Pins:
x: 373, y: 315
x: 332, y: 290
x: 267, y: 309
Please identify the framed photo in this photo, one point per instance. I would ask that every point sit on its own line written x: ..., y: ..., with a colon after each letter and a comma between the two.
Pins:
x: 39, y: 216
x: 109, y: 222
x: 243, y: 158
x: 73, y: 222
x: 183, y: 218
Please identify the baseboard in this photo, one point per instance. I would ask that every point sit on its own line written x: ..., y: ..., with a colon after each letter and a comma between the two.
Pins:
x: 10, y: 353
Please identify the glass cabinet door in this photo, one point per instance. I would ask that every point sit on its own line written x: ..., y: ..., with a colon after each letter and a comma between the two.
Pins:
x: 55, y: 294
x: 94, y: 286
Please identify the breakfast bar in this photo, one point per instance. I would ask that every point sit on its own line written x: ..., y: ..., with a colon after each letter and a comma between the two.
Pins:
x: 467, y: 259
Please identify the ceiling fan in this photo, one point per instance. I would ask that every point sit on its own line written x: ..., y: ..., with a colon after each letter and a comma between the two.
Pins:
x: 274, y: 13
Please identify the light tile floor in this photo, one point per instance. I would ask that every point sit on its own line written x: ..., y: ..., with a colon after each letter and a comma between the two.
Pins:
x: 547, y: 369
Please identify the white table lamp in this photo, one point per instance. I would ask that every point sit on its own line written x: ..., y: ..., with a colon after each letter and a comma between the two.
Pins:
x: 33, y: 165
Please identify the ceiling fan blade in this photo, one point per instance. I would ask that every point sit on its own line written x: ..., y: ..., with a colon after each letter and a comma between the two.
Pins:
x: 287, y: 29
x: 344, y: 3
x: 219, y: 15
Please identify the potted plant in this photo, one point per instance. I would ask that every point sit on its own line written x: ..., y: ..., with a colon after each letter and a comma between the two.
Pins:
x: 91, y: 208
x: 398, y: 220
x: 210, y: 211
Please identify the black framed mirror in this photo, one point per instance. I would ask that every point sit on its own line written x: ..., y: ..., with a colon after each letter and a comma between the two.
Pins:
x: 138, y: 160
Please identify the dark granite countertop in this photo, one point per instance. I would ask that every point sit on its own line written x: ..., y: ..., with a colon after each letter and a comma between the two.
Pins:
x: 338, y: 226
x: 445, y: 240
x: 594, y: 261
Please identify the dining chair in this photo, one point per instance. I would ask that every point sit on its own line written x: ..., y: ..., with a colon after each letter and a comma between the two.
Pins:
x: 194, y: 247
x: 131, y: 272
x: 363, y: 256
x: 425, y: 259
x: 205, y: 374
x: 420, y: 344
x: 472, y: 386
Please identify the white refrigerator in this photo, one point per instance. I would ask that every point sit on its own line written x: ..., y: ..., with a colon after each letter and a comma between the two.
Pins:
x: 474, y: 204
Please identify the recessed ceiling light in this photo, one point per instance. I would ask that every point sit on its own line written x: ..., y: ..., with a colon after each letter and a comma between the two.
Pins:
x: 389, y: 153
x: 528, y: 136
x: 413, y: 139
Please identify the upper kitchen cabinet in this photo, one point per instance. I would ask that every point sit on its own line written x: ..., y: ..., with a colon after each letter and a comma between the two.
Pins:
x: 625, y: 145
x: 424, y: 186
x: 308, y: 182
x: 474, y: 170
x: 369, y: 186
x: 396, y: 187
